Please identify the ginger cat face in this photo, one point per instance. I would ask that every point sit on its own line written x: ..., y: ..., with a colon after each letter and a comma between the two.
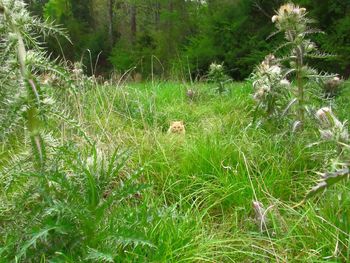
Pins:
x: 177, y: 127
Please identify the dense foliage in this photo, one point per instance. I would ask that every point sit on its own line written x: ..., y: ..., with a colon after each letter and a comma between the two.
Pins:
x: 174, y: 36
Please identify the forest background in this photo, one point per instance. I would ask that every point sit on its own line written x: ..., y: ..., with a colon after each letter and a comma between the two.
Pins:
x: 181, y: 38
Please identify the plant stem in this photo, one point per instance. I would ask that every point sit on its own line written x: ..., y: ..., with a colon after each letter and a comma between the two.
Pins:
x: 299, y: 77
x: 33, y: 94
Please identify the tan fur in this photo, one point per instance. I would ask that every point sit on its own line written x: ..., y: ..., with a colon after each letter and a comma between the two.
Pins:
x: 177, y: 127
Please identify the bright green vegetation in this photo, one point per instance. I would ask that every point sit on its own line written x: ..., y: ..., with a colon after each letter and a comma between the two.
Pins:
x: 172, y: 198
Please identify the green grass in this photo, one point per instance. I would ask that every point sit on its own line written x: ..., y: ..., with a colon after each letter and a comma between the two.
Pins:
x: 196, y: 203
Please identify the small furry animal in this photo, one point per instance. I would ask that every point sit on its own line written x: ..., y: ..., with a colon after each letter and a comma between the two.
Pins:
x: 177, y: 127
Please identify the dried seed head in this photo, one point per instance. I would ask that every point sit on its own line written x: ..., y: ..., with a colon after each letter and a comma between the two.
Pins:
x: 322, y: 115
x: 326, y: 134
x: 260, y: 214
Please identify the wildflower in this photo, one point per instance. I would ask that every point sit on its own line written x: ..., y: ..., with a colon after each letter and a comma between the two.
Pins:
x: 215, y: 66
x: 287, y: 13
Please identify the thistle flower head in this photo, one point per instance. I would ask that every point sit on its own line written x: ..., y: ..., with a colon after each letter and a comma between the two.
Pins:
x: 290, y: 9
x: 324, y: 116
x: 261, y: 92
x: 215, y: 67
x: 332, y: 127
x: 269, y: 65
x: 288, y: 15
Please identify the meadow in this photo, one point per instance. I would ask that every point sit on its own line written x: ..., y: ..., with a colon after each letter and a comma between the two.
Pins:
x: 120, y: 169
x: 131, y: 192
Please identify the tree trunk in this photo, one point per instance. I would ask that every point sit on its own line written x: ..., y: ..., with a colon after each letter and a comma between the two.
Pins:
x: 157, y: 14
x: 133, y: 23
x: 110, y: 22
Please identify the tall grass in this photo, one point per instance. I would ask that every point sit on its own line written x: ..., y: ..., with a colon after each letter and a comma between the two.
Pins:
x: 116, y: 187
x: 199, y: 204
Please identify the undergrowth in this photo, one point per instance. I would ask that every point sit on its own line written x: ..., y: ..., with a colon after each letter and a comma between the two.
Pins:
x: 175, y: 199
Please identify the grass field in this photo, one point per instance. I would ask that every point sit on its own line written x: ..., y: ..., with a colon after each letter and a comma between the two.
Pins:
x: 175, y: 198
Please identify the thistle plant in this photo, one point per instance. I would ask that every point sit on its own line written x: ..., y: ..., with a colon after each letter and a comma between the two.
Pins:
x: 291, y: 20
x: 330, y: 127
x: 270, y: 85
x: 217, y: 75
x: 332, y: 130
x: 22, y: 56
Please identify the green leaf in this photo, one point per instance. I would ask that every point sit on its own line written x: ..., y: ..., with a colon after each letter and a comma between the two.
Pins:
x: 99, y: 256
x: 328, y: 180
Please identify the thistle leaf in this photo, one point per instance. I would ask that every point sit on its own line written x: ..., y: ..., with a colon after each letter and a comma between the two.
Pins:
x: 98, y: 256
x: 328, y: 179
